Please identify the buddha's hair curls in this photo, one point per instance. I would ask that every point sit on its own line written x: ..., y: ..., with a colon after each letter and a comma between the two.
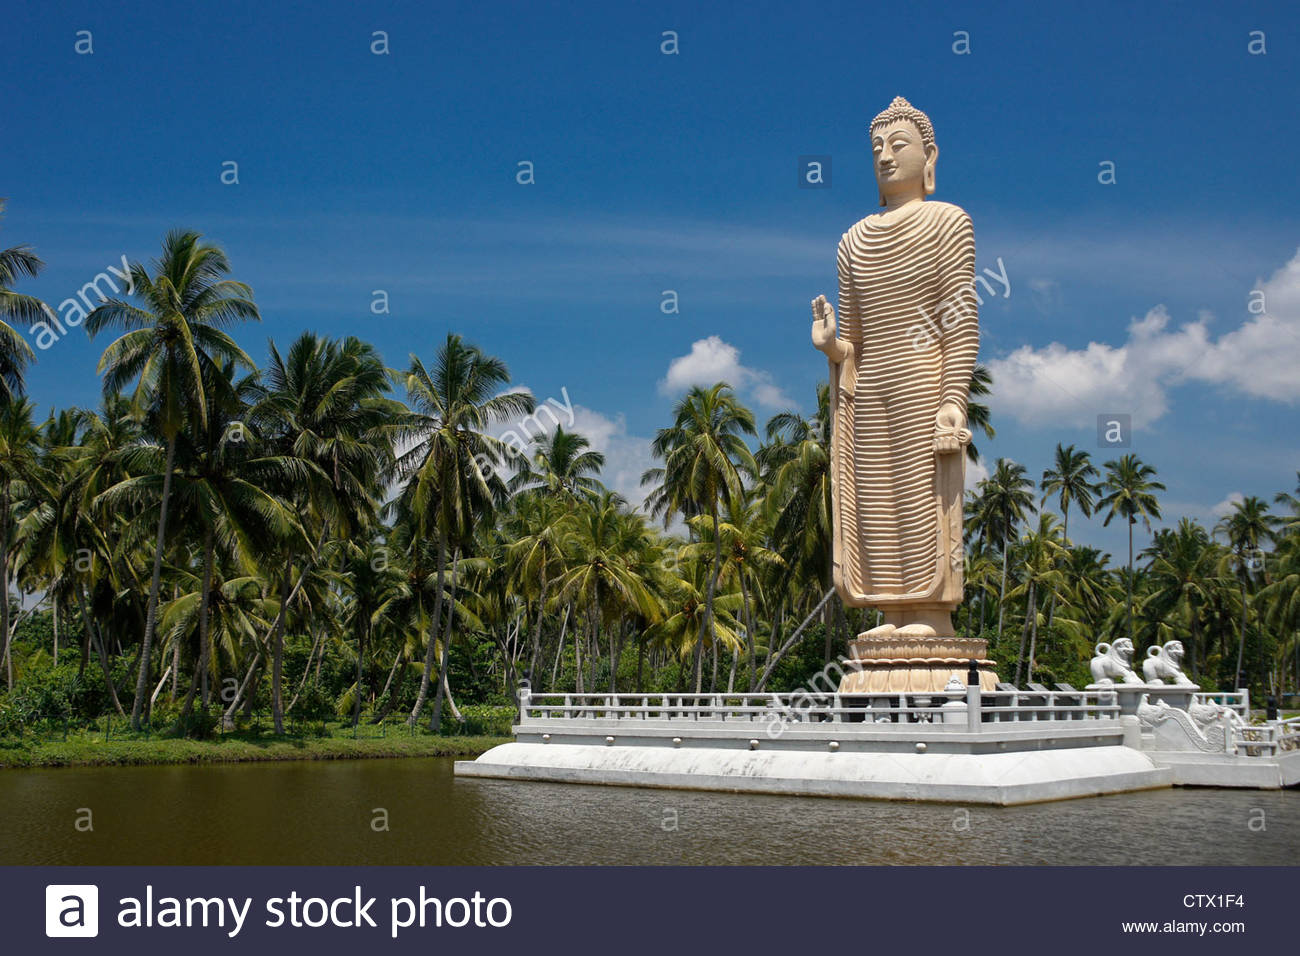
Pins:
x: 900, y: 109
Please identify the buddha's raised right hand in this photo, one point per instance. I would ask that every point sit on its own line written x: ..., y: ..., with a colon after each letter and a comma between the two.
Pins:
x: 824, y: 330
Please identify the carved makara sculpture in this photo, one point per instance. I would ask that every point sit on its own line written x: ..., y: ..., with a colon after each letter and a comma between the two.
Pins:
x: 901, y: 355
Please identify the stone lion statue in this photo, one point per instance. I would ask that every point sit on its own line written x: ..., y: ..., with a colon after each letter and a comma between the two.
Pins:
x: 1166, y: 664
x: 1113, y: 662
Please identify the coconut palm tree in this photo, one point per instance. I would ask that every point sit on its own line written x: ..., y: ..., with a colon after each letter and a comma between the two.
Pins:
x: 178, y: 327
x: 16, y: 263
x: 1042, y: 551
x: 535, y: 531
x: 563, y: 463
x: 1281, y: 596
x: 325, y: 404
x: 978, y: 417
x: 599, y: 575
x: 1130, y: 488
x: 1182, y: 577
x: 746, y: 563
x: 795, y: 467
x: 226, y: 489
x: 1007, y: 497
x: 373, y: 587
x: 1070, y: 480
x: 1246, y: 528
x: 705, y: 456
x: 23, y: 477
x: 1291, y: 501
x: 450, y: 469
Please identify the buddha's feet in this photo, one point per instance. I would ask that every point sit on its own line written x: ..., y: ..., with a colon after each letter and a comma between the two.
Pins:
x: 916, y: 631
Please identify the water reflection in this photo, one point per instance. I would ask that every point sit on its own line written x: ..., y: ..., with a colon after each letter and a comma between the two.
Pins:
x: 325, y: 813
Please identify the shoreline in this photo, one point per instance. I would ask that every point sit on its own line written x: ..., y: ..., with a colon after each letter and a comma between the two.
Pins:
x: 83, y: 752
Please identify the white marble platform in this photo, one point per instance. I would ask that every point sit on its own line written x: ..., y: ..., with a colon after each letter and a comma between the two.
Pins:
x: 999, y: 778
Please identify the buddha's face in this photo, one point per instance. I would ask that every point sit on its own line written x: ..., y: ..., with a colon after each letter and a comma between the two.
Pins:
x: 900, y: 160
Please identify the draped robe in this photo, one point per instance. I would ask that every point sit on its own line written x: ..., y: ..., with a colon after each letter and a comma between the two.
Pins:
x: 907, y: 305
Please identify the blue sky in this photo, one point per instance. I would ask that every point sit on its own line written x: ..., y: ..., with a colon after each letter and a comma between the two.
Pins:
x: 359, y: 172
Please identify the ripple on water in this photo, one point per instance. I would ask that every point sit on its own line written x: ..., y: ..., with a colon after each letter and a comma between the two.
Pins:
x: 321, y: 812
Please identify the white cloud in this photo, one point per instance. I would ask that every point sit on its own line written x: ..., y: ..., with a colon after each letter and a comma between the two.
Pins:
x: 1059, y: 385
x: 976, y: 471
x: 712, y: 360
x: 626, y: 456
x: 1224, y: 507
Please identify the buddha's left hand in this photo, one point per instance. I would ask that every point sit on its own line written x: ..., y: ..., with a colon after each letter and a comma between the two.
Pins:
x: 950, y: 431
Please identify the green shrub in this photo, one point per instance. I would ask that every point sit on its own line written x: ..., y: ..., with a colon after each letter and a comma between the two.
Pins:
x: 483, y: 720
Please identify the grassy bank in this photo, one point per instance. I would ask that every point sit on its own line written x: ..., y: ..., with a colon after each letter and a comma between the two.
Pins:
x: 91, y: 749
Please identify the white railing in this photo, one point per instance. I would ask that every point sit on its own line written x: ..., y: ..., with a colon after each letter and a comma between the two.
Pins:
x: 1288, y: 734
x: 972, y: 708
x: 1234, y: 700
x: 1265, y: 740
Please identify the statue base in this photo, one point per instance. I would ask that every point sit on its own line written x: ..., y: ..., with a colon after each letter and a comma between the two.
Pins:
x: 895, y: 664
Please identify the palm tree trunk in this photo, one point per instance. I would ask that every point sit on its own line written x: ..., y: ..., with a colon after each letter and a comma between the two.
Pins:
x: 640, y: 664
x: 444, y: 685
x: 593, y: 647
x: 616, y: 655
x: 363, y: 628
x: 578, y: 639
x: 1020, y: 654
x: 698, y: 662
x: 1033, y: 632
x: 151, y: 613
x: 980, y: 615
x: 775, y: 658
x: 392, y: 700
x: 749, y: 632
x: 85, y: 642
x: 1241, y: 644
x: 1129, y: 589
x: 306, y: 672
x: 176, y: 669
x: 277, y: 651
x: 536, y: 650
x: 4, y: 585
x: 103, y: 658
x: 709, y: 626
x: 227, y: 718
x: 434, y: 626
x: 1065, y: 533
x: 559, y: 647
x: 1002, y: 592
x: 205, y: 650
x: 54, y: 620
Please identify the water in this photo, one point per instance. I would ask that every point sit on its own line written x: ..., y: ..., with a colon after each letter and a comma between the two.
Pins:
x: 321, y: 812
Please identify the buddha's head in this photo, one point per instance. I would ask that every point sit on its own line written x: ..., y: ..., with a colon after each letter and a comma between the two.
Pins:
x: 904, y: 153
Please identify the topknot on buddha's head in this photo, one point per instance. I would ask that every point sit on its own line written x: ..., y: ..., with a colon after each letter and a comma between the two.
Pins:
x: 900, y: 109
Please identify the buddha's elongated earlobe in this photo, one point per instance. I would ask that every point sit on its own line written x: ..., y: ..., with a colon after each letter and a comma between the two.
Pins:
x: 929, y: 179
x: 882, y: 199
